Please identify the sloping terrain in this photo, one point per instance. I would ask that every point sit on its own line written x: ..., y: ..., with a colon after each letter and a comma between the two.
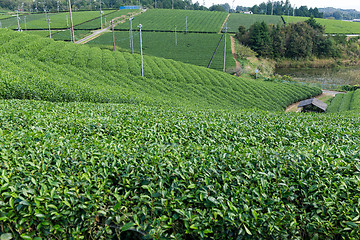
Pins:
x: 59, y: 71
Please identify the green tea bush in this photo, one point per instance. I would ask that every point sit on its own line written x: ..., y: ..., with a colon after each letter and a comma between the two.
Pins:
x: 80, y: 170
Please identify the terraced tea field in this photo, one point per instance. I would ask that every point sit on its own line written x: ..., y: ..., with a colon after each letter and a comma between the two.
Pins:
x: 90, y: 149
x: 191, y: 48
x: 332, y: 26
x: 237, y: 19
x: 166, y: 19
x: 58, y: 20
x: 345, y: 102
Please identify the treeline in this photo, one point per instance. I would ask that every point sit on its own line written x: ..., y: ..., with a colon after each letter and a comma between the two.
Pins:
x: 285, y: 8
x: 296, y: 40
x: 62, y: 5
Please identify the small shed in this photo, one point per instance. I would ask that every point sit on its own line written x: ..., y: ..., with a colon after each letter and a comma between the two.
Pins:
x: 312, y: 105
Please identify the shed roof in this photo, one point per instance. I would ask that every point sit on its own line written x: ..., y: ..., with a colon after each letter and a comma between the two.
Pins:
x: 315, y: 102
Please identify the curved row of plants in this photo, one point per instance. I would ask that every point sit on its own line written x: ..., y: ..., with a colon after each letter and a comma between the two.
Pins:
x: 345, y: 102
x: 59, y: 71
x: 81, y: 170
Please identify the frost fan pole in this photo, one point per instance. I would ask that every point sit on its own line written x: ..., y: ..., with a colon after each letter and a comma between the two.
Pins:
x: 225, y: 47
x: 17, y: 17
x: 71, y: 22
x: 49, y: 26
x: 141, y: 52
x: 112, y: 23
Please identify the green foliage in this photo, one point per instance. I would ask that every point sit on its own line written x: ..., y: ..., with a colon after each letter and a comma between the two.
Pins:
x: 331, y: 26
x: 80, y: 170
x: 191, y: 48
x: 58, y: 20
x: 260, y: 40
x: 246, y: 20
x: 166, y: 19
x: 345, y: 102
x: 297, y: 41
x: 59, y: 71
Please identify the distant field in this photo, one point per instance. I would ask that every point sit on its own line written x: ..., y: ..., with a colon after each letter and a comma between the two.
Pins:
x: 3, y: 16
x: 193, y: 48
x: 57, y: 20
x: 332, y: 26
x: 166, y: 19
x: 61, y: 35
x: 237, y: 19
x: 96, y: 23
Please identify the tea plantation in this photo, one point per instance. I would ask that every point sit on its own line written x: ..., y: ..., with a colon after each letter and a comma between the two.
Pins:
x: 193, y: 48
x: 89, y: 149
x: 331, y: 26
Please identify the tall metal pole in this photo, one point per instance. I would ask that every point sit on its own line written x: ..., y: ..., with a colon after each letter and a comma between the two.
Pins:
x: 141, y: 52
x: 18, y: 20
x: 131, y: 37
x: 175, y: 36
x: 49, y: 27
x: 72, y: 25
x: 225, y: 47
x: 101, y: 13
x: 113, y: 31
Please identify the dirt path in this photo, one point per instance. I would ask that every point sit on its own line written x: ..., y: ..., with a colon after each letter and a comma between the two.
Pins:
x: 100, y: 32
x: 226, y: 19
x: 233, y: 50
x: 326, y: 94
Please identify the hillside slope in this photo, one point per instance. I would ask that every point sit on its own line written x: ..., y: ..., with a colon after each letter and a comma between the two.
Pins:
x: 39, y: 68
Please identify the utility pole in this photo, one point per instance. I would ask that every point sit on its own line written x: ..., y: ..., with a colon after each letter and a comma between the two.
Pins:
x: 175, y: 36
x: 131, y: 37
x: 272, y: 8
x: 172, y: 4
x: 18, y: 20
x: 112, y: 23
x: 101, y: 13
x: 141, y: 52
x: 186, y: 23
x: 294, y: 11
x: 25, y: 23
x: 226, y: 28
x: 155, y: 4
x: 58, y: 7
x: 288, y: 16
x: 49, y: 27
x: 72, y: 25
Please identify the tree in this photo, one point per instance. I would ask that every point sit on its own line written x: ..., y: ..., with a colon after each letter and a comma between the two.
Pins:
x: 278, y: 41
x: 217, y: 8
x: 259, y: 39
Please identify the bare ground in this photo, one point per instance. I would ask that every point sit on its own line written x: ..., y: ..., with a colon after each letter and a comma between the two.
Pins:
x: 238, y: 65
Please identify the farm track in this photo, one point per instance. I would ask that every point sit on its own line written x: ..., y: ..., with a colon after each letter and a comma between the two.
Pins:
x: 226, y: 19
x: 233, y: 51
x: 98, y: 33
